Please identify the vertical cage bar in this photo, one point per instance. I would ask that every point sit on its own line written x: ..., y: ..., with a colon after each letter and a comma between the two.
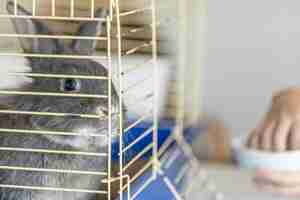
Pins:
x: 92, y: 9
x: 156, y: 88
x: 53, y: 7
x: 16, y: 7
x: 120, y: 71
x: 181, y: 6
x: 128, y: 188
x: 112, y: 6
x: 108, y: 25
x: 33, y: 7
x: 72, y: 8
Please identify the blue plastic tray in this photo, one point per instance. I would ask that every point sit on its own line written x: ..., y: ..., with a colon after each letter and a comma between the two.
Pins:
x: 157, y: 190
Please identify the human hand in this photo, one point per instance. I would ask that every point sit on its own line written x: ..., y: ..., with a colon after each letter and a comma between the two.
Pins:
x: 280, y: 129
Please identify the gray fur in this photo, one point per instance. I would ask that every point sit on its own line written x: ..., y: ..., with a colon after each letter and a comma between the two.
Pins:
x: 66, y: 124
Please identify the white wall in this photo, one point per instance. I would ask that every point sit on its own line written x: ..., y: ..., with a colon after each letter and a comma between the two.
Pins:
x: 254, y: 49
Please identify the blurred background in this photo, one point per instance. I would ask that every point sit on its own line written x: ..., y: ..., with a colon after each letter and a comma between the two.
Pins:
x: 253, y: 50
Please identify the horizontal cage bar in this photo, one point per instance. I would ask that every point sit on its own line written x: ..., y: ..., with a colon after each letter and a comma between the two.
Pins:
x: 94, y: 96
x: 137, y: 157
x: 53, y: 56
x: 52, y: 18
x: 142, y: 136
x: 52, y: 189
x: 53, y: 114
x: 181, y: 174
x: 59, y: 76
x: 165, y: 146
x: 16, y: 168
x: 143, y: 187
x: 40, y: 132
x: 49, y: 151
x: 135, y: 49
x: 173, y: 157
x: 143, y: 118
x: 131, y: 12
x: 139, y: 173
x: 137, y: 30
x: 172, y: 188
x: 66, y: 37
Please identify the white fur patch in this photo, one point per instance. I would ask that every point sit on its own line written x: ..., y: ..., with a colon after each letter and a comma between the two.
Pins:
x: 11, y: 64
x: 82, y: 142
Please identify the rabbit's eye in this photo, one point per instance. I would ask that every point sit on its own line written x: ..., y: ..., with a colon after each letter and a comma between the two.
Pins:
x: 70, y: 85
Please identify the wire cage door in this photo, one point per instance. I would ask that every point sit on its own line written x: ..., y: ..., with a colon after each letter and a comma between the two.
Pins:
x: 28, y: 19
x: 128, y: 155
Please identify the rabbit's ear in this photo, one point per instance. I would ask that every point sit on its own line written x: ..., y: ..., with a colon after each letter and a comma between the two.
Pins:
x: 31, y: 27
x: 90, y: 29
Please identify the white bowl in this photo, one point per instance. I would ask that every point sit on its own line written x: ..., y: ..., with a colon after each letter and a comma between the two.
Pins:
x: 255, y: 159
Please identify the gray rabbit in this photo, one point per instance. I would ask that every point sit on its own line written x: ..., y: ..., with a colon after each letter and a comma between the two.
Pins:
x: 71, y: 123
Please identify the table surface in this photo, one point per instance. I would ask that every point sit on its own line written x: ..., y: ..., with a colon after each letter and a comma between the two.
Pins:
x: 229, y: 183
x: 236, y: 184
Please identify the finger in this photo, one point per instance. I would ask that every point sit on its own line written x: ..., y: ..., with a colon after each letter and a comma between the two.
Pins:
x: 266, y: 136
x: 253, y: 141
x: 286, y: 179
x: 294, y: 138
x: 280, y: 136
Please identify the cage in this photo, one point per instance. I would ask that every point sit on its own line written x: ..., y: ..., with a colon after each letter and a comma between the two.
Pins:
x: 39, y: 144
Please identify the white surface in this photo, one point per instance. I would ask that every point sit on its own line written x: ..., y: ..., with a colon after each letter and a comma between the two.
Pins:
x: 285, y: 161
x: 236, y: 184
x: 11, y: 65
x: 253, y: 49
x: 226, y: 182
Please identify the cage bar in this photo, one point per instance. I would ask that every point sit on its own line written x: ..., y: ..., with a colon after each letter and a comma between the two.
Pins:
x: 52, y: 56
x: 52, y: 189
x: 143, y: 118
x: 6, y: 16
x: 50, y: 151
x: 33, y: 7
x: 53, y: 94
x: 138, y: 156
x: 135, y: 49
x: 143, y: 187
x: 16, y: 168
x: 120, y: 73
x: 72, y: 9
x: 109, y: 161
x: 139, y: 173
x: 37, y: 75
x: 53, y: 7
x: 52, y: 114
x: 138, y: 139
x: 123, y: 14
x: 66, y: 37
x: 41, y: 132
